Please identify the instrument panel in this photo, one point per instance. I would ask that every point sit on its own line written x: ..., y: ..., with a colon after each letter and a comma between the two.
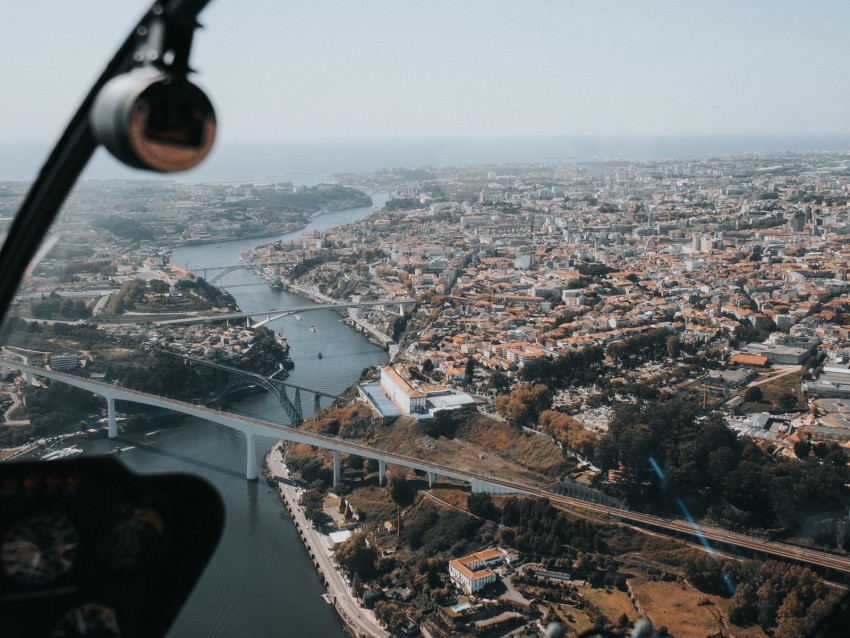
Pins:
x: 88, y: 548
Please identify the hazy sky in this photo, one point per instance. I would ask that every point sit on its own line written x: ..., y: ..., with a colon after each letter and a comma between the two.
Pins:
x: 278, y: 69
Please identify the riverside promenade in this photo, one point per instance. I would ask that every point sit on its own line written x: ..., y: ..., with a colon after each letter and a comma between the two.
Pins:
x: 359, y: 621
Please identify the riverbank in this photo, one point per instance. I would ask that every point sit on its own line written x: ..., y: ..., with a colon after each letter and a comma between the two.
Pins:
x: 285, y: 229
x: 358, y: 621
x: 348, y: 317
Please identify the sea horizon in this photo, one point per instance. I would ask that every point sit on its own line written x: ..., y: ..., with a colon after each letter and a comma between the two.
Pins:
x: 254, y: 159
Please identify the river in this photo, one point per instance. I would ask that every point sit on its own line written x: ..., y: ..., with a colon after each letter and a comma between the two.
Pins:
x: 260, y: 581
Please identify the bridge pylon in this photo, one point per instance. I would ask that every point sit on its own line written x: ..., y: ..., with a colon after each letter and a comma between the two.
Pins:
x: 251, y: 465
x: 112, y: 427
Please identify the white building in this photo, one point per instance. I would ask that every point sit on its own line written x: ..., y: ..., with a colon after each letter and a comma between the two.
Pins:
x: 473, y: 572
x: 409, y: 400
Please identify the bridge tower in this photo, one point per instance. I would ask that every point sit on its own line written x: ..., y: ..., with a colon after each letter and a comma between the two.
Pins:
x: 251, y: 465
x: 112, y: 428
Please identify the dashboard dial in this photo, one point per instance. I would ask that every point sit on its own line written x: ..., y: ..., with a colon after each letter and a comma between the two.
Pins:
x: 39, y: 548
x: 132, y: 540
x: 92, y: 619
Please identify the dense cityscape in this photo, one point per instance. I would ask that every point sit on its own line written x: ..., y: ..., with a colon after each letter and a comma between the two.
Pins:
x: 668, y: 337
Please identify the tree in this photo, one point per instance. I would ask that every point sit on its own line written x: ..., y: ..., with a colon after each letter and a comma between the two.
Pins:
x: 158, y: 287
x: 313, y: 505
x: 787, y: 401
x: 401, y: 490
x: 753, y: 394
x: 356, y: 584
x: 524, y: 405
x: 674, y: 346
x: 744, y: 608
x: 802, y: 448
x: 557, y: 424
x: 482, y: 505
x: 390, y: 615
x: 499, y: 382
x: 427, y: 366
x: 469, y: 371
x: 357, y: 556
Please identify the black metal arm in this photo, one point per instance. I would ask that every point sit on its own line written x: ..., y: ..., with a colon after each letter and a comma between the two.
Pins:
x: 175, y: 20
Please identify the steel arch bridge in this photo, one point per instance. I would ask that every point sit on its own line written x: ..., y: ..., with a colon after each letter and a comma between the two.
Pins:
x: 226, y: 271
x: 237, y: 379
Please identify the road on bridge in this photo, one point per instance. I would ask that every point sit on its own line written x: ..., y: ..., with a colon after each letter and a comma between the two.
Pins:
x: 282, y: 312
x: 252, y: 427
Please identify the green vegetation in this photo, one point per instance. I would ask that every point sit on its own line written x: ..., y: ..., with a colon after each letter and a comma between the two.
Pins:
x: 524, y: 405
x: 69, y: 270
x: 312, y: 503
x: 670, y: 457
x: 265, y: 355
x: 634, y: 351
x: 357, y: 556
x: 55, y: 306
x: 594, y: 270
x: 60, y: 408
x: 786, y: 599
x: 126, y: 228
x: 130, y: 294
x: 164, y: 374
x: 306, y: 200
x: 43, y: 336
x: 580, y: 367
x: 402, y: 204
x: 195, y: 294
x: 455, y: 523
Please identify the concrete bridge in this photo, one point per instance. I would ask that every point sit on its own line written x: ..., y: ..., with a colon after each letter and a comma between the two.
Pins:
x: 253, y: 428
x: 703, y: 534
x: 272, y: 314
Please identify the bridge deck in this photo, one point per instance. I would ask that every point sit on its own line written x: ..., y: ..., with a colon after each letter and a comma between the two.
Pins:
x: 254, y: 427
x: 285, y: 311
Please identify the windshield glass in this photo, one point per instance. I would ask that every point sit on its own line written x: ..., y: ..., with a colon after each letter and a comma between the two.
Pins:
x: 478, y: 317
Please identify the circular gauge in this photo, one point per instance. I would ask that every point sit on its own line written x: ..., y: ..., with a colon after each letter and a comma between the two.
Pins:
x: 132, y: 540
x: 91, y: 619
x: 39, y: 548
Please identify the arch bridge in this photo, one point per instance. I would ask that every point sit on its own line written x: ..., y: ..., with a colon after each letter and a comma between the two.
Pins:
x: 238, y: 379
x: 223, y: 271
